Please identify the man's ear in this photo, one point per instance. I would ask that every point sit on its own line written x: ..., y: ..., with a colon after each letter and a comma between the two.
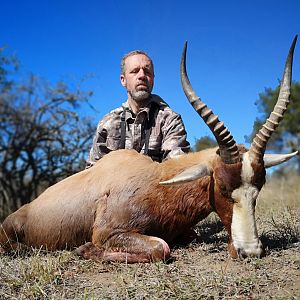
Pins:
x: 123, y: 80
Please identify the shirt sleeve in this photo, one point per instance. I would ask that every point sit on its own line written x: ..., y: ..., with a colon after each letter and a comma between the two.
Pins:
x: 174, y: 137
x: 99, y: 148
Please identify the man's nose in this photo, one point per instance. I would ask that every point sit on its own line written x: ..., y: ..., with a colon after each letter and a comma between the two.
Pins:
x: 141, y: 74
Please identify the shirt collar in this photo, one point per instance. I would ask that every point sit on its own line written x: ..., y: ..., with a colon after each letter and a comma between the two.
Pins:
x: 146, y: 109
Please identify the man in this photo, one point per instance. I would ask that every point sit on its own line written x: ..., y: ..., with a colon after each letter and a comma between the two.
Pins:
x: 144, y: 122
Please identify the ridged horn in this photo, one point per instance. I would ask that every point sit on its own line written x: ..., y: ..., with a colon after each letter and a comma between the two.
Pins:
x: 229, y: 152
x: 261, y: 139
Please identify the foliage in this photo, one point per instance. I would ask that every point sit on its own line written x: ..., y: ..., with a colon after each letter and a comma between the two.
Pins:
x: 204, y: 143
x: 42, y: 138
x: 286, y: 138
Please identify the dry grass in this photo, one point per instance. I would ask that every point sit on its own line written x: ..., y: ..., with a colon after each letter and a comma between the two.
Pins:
x: 202, y: 270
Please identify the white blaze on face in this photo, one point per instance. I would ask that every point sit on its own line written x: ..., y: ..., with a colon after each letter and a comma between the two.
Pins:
x: 243, y: 227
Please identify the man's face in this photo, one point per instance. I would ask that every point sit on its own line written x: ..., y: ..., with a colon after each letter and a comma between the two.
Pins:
x: 138, y: 77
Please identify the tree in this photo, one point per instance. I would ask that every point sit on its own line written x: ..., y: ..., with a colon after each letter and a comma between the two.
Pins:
x: 42, y: 137
x: 204, y: 143
x: 286, y: 138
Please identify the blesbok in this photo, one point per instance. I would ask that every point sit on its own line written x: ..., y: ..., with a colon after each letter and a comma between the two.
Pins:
x: 128, y: 208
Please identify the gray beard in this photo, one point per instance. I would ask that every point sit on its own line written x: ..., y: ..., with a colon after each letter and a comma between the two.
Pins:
x: 140, y: 95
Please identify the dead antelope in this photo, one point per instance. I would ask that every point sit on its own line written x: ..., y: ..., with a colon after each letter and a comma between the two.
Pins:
x: 128, y: 208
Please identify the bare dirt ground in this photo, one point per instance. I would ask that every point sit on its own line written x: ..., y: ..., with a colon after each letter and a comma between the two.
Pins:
x: 202, y: 270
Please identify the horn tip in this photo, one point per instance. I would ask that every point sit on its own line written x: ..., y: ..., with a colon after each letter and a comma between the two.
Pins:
x: 296, y: 37
x: 185, y: 46
x: 165, y: 183
x: 294, y: 42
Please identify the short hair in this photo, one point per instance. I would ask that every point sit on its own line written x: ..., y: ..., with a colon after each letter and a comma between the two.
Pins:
x: 131, y: 53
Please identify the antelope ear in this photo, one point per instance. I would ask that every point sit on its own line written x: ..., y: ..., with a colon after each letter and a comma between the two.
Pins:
x: 190, y: 174
x: 271, y: 160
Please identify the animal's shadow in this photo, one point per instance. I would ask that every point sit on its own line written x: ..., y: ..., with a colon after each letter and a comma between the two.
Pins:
x: 209, y: 232
x: 278, y: 242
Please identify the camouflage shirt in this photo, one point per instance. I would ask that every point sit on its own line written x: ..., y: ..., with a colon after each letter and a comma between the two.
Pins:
x: 167, y: 138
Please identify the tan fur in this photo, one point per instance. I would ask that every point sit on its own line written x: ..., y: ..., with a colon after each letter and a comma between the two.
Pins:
x: 115, y: 209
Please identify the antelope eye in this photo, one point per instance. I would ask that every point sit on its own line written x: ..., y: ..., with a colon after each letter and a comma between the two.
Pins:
x: 224, y: 191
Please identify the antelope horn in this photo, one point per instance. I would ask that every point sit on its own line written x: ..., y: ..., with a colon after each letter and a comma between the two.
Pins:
x: 228, y: 148
x: 271, y: 160
x: 260, y: 141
